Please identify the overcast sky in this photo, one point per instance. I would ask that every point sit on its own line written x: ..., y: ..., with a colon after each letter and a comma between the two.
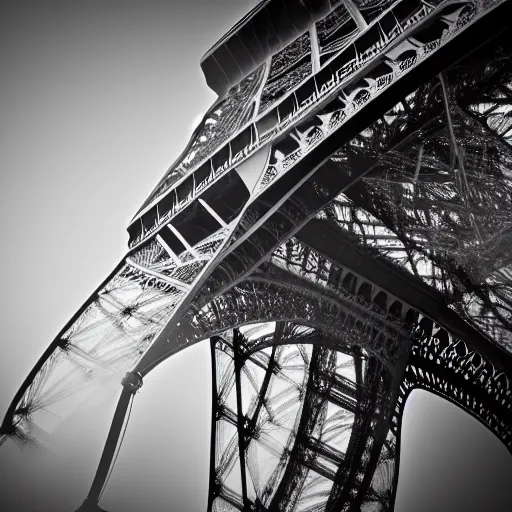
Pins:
x: 97, y: 99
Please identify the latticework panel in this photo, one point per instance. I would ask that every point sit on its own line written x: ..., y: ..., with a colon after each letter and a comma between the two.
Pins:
x: 106, y: 338
x: 222, y: 121
x: 284, y: 420
x: 335, y: 31
x: 287, y: 69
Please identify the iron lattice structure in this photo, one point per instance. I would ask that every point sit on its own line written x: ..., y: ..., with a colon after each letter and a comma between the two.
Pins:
x: 340, y: 228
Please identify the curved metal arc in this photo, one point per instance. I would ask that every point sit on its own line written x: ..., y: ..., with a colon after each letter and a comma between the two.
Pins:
x: 500, y: 411
x: 471, y: 412
x: 398, y: 429
x: 277, y: 276
x: 158, y: 350
x: 198, y: 325
x: 227, y: 248
x: 319, y: 235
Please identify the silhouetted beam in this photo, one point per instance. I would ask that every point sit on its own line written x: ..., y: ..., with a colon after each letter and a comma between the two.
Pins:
x: 358, y: 364
x: 212, y: 484
x: 256, y: 361
x: 237, y: 340
x: 339, y: 399
x: 248, y: 354
x: 342, y: 392
x: 386, y: 393
x: 230, y: 416
x: 346, y: 386
x: 333, y: 243
x: 314, y: 465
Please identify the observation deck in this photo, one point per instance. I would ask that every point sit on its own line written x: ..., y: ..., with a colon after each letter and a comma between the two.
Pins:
x: 265, y: 30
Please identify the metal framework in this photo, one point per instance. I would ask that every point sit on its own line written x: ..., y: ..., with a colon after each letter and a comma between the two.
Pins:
x: 340, y: 228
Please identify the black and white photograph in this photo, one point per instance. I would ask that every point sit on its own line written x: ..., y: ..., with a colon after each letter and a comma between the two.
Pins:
x: 257, y: 256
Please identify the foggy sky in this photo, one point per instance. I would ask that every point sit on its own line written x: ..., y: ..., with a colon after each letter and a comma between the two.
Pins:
x: 97, y: 99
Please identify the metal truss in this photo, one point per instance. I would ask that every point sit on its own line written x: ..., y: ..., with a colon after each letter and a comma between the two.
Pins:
x: 339, y: 227
x: 306, y: 428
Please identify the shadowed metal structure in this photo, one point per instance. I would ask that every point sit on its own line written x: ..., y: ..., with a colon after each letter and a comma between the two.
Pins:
x: 340, y: 228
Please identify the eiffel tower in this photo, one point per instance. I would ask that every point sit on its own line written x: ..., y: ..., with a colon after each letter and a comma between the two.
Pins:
x: 340, y: 228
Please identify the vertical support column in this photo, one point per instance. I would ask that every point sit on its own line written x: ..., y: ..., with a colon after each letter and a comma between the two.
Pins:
x: 237, y: 338
x: 131, y: 383
x: 212, y: 482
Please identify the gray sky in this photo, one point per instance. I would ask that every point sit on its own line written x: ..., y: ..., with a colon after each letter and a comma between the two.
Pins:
x: 97, y: 99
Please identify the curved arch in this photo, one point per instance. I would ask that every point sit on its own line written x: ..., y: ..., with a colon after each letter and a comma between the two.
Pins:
x: 447, y: 368
x: 395, y: 310
x: 478, y: 389
x: 397, y: 431
x: 381, y: 301
x: 251, y: 302
x: 255, y: 301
